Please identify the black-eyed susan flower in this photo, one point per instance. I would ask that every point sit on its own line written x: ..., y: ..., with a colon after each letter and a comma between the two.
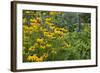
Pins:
x: 29, y: 58
x: 40, y: 40
x: 48, y: 45
x: 45, y: 55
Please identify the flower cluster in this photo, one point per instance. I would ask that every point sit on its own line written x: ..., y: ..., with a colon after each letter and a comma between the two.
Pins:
x: 35, y: 58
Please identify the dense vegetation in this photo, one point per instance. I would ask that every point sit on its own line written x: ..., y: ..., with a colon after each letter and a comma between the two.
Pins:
x: 55, y: 36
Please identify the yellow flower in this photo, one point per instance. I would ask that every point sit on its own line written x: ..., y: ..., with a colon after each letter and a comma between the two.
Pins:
x: 29, y: 58
x: 28, y: 28
x: 48, y: 19
x: 32, y: 48
x: 39, y: 59
x: 33, y: 20
x: 25, y: 28
x: 35, y: 45
x: 69, y: 46
x: 35, y: 27
x: 49, y: 34
x: 57, y: 31
x: 46, y: 33
x: 34, y: 57
x: 48, y: 45
x: 37, y: 20
x: 43, y: 29
x: 49, y: 23
x: 31, y: 28
x: 63, y: 29
x: 42, y: 46
x: 45, y: 55
x: 52, y: 27
x: 40, y: 40
x: 66, y: 45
